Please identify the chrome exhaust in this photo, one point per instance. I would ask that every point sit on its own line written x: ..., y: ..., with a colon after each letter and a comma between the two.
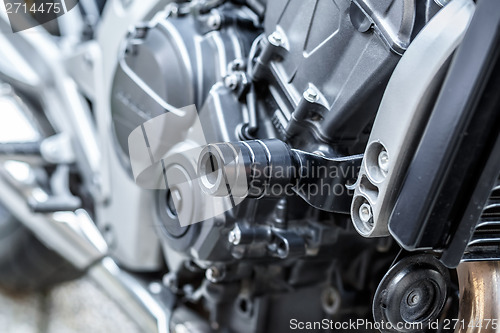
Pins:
x: 479, y: 283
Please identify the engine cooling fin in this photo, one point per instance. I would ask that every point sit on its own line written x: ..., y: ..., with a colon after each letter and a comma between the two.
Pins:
x: 485, y: 242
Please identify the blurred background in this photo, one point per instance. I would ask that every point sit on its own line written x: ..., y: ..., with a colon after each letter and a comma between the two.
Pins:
x: 72, y: 307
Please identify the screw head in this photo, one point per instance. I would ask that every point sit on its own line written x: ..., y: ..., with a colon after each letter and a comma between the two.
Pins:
x: 173, y: 9
x: 311, y: 95
x: 214, y: 21
x: 236, y: 65
x: 383, y: 161
x: 276, y: 38
x: 169, y: 279
x: 231, y: 81
x: 234, y: 236
x: 213, y: 274
x: 365, y: 212
x: 330, y: 300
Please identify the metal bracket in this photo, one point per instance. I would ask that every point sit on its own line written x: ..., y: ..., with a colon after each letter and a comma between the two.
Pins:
x: 403, y: 112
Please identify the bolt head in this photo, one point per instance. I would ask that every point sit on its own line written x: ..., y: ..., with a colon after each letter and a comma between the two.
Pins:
x: 311, y: 95
x: 212, y: 274
x: 331, y: 300
x: 231, y: 81
x: 234, y: 236
x: 236, y: 65
x: 365, y: 212
x: 383, y: 161
x: 170, y: 280
x: 214, y: 21
x: 276, y: 38
x: 173, y: 9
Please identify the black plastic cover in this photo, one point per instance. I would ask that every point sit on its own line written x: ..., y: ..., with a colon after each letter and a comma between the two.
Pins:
x: 458, y: 158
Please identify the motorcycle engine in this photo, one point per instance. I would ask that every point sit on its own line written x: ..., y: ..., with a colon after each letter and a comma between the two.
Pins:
x: 309, y: 73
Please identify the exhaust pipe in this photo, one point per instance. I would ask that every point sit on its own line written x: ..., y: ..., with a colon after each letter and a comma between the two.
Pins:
x: 479, y: 283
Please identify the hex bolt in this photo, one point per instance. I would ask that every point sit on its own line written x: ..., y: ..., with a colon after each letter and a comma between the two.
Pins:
x: 214, y: 274
x: 276, y: 38
x: 173, y: 9
x: 170, y: 280
x: 231, y: 81
x: 139, y: 32
x: 383, y: 160
x: 330, y: 300
x: 311, y: 95
x: 214, y: 21
x: 236, y: 65
x: 365, y: 212
x: 234, y: 236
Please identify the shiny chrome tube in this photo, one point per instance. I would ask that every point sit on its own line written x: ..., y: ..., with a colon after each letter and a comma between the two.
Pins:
x: 150, y: 313
x: 479, y: 283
